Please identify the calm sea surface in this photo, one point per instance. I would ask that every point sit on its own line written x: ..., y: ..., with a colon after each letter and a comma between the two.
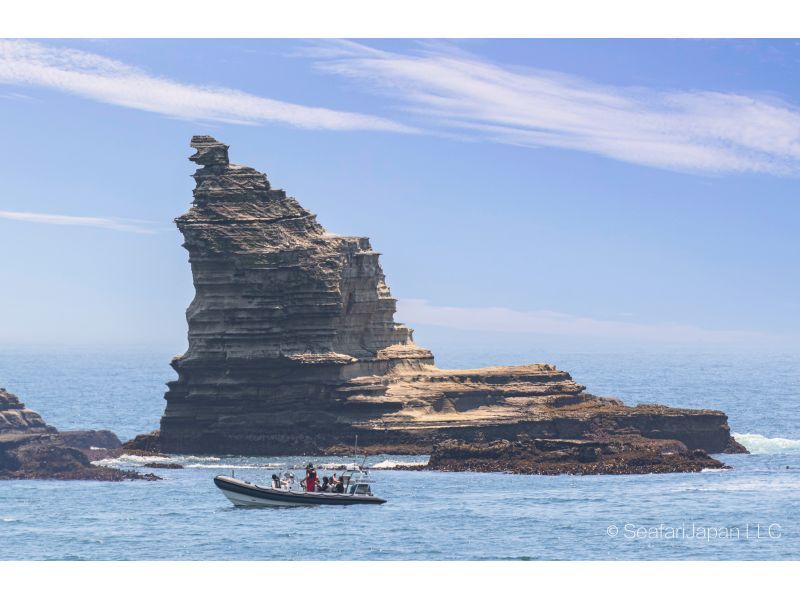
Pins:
x: 749, y: 512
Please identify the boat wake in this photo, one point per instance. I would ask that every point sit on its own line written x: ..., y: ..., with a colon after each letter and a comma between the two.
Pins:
x: 761, y: 445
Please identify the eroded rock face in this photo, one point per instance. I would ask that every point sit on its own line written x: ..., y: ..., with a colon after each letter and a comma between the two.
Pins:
x: 30, y: 449
x: 16, y: 418
x: 293, y: 348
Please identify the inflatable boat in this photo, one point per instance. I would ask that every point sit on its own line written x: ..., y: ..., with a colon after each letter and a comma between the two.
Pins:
x: 357, y: 491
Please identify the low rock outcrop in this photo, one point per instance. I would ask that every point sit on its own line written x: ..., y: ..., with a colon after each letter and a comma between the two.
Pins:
x: 31, y: 449
x: 624, y: 454
x: 293, y: 348
x: 15, y: 418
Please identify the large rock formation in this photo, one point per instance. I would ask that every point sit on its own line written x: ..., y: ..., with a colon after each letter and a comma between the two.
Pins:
x: 293, y: 347
x: 30, y: 449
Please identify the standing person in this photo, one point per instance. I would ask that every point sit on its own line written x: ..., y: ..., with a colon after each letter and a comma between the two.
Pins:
x: 310, y: 480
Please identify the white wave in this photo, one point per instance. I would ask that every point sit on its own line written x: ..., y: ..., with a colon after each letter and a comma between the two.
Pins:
x: 389, y: 464
x: 193, y: 458
x: 335, y: 465
x: 131, y: 460
x: 234, y: 466
x: 187, y: 461
x: 713, y: 470
x: 761, y: 445
x: 8, y: 519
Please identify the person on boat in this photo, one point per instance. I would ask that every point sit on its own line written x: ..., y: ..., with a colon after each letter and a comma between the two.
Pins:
x: 276, y: 482
x: 339, y: 487
x: 310, y: 480
x: 325, y: 487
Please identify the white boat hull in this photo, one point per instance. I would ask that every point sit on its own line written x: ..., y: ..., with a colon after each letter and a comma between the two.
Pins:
x: 245, y: 494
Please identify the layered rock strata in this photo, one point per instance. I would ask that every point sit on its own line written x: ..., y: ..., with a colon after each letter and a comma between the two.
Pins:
x: 293, y: 348
x: 31, y: 449
x: 15, y: 418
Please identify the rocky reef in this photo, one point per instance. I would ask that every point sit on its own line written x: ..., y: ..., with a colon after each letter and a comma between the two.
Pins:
x: 31, y: 449
x: 293, y: 348
x: 624, y: 454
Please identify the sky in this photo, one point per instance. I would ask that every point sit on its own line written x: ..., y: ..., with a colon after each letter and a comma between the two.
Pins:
x: 587, y: 192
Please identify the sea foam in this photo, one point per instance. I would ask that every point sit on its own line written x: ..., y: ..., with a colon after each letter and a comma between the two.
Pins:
x: 761, y: 445
x: 390, y: 464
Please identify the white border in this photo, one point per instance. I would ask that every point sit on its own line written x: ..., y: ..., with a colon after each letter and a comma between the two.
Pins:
x: 402, y: 18
x: 409, y: 18
x: 375, y: 580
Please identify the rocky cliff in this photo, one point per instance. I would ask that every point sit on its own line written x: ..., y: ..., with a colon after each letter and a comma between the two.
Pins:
x: 293, y: 348
x: 31, y: 449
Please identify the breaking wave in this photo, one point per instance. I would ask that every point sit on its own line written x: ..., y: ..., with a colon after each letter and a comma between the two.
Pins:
x: 390, y: 464
x: 187, y: 461
x: 292, y: 463
x: 761, y: 445
x: 234, y: 466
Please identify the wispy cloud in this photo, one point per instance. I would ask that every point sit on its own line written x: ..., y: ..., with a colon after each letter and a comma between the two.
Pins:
x: 105, y: 80
x: 445, y: 91
x: 12, y: 95
x: 120, y: 224
x: 501, y: 319
x: 688, y: 130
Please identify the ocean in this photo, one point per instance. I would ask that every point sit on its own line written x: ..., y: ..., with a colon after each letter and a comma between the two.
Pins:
x: 748, y: 512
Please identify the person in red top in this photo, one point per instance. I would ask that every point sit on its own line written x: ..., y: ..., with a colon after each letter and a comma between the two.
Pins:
x: 311, y: 478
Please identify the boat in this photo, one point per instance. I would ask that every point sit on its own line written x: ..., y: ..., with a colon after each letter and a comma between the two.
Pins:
x: 358, y: 491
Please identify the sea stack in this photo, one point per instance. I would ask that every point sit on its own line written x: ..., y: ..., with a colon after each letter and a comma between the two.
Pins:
x: 293, y: 348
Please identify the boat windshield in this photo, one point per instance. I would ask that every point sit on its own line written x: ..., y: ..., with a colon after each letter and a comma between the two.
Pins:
x: 360, y: 489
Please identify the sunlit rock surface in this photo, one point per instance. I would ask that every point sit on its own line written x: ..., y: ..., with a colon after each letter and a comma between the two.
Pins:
x: 32, y: 450
x: 293, y: 348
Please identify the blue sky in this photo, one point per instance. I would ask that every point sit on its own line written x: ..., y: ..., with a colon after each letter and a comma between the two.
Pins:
x: 628, y: 191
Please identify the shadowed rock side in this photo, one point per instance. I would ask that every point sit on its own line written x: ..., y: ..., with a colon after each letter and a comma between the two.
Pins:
x: 623, y: 454
x: 30, y: 449
x: 293, y: 348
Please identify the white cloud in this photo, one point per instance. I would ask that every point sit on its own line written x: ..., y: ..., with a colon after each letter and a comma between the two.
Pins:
x: 448, y: 92
x: 99, y: 78
x: 120, y: 224
x: 455, y: 93
x: 501, y: 319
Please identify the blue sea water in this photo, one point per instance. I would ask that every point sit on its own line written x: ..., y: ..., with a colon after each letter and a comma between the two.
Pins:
x: 747, y: 512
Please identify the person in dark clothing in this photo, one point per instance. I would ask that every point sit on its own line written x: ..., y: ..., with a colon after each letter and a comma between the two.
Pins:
x: 326, y: 486
x: 276, y: 482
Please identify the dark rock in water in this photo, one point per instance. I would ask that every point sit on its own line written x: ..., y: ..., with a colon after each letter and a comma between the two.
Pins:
x: 293, y: 348
x: 625, y: 454
x: 47, y: 457
x: 88, y: 439
x: 149, y: 443
x: 159, y: 465
x: 30, y: 449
